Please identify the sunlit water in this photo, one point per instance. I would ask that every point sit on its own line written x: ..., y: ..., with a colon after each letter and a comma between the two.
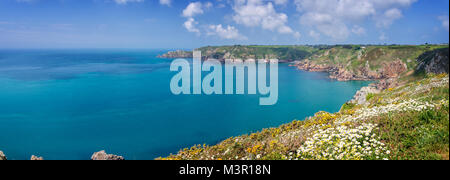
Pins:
x: 67, y: 104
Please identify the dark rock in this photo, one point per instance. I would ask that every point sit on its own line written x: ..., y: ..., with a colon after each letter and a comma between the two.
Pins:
x: 101, y: 155
x: 436, y: 61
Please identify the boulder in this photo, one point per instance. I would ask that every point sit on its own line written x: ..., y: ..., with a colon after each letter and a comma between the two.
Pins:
x: 35, y: 158
x: 2, y: 156
x: 101, y: 155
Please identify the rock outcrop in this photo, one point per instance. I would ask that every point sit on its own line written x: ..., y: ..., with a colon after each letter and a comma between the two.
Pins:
x: 436, y: 61
x: 177, y: 54
x: 2, y: 156
x: 35, y: 158
x: 101, y: 155
x: 393, y: 69
x: 339, y: 72
x: 361, y: 96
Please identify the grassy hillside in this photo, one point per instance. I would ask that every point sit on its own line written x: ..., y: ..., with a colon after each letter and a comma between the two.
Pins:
x: 344, y: 62
x: 322, y: 53
x: 353, y: 57
x: 406, y: 122
x: 258, y: 52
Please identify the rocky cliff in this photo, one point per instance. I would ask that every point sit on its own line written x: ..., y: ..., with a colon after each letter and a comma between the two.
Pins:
x: 341, y: 73
x: 436, y: 61
x: 343, y: 62
x: 376, y: 62
x: 177, y: 54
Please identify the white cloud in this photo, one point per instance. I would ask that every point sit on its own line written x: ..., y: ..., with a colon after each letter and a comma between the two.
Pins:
x: 225, y: 33
x: 314, y: 34
x: 444, y: 20
x: 358, y: 30
x: 256, y: 13
x: 333, y: 17
x: 127, y: 1
x: 326, y: 24
x: 388, y: 18
x: 193, y: 9
x: 190, y: 25
x: 165, y: 2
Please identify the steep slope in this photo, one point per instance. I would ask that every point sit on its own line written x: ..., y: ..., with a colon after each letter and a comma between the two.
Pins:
x: 368, y: 62
x: 403, y: 116
x: 436, y: 61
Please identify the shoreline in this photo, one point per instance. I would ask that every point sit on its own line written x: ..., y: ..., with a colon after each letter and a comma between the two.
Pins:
x: 101, y: 155
x: 360, y: 97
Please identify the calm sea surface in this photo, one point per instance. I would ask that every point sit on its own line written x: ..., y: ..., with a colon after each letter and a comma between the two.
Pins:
x: 67, y: 104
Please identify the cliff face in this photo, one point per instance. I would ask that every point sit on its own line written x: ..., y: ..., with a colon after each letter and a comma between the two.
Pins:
x: 377, y: 62
x: 342, y: 73
x: 436, y: 61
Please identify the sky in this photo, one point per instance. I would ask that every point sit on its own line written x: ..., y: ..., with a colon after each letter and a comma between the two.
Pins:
x: 191, y: 24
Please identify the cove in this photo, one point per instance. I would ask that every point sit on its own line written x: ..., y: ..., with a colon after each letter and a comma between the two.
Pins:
x: 68, y: 104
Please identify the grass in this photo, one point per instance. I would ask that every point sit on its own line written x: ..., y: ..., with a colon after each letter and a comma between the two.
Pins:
x: 416, y: 135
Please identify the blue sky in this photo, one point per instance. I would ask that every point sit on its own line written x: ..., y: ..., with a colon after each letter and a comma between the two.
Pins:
x: 191, y: 24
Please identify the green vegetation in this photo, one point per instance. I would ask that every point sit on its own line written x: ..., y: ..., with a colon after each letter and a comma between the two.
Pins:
x: 406, y: 122
x: 369, y: 96
x: 357, y: 56
x: 258, y: 52
x: 409, y: 121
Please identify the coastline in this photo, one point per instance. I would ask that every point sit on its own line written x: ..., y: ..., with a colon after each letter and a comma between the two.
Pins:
x: 288, y: 141
x: 361, y: 98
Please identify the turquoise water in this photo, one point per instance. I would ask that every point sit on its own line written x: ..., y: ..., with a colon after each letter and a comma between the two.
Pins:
x: 63, y: 104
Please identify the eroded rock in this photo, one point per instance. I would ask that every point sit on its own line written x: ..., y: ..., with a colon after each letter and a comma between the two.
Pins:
x: 2, y: 156
x: 394, y: 69
x: 177, y: 54
x: 35, y: 158
x: 360, y: 97
x: 101, y: 155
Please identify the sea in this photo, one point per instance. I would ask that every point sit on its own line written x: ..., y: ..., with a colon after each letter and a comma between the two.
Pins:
x: 66, y: 104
